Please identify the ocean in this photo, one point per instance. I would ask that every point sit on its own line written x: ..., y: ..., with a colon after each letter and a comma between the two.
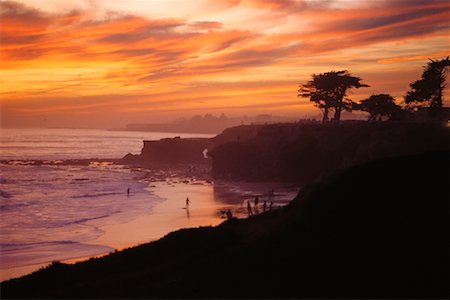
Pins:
x: 57, y: 212
x: 51, y: 144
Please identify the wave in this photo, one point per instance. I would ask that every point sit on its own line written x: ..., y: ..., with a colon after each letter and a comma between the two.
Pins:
x: 28, y: 254
x: 90, y: 219
x: 97, y: 195
x: 5, y: 247
x: 4, y: 194
x: 6, y: 207
x: 61, y: 141
x: 34, y: 147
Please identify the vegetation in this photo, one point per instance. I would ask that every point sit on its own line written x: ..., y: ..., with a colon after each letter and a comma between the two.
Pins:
x: 301, y: 152
x: 379, y: 106
x: 429, y: 89
x: 328, y: 91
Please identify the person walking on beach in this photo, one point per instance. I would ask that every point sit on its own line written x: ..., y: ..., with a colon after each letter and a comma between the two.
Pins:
x: 229, y: 214
x: 249, y: 209
x: 264, y: 206
x: 271, y: 205
x: 187, y: 202
x: 271, y: 195
x: 256, y: 201
x: 128, y: 191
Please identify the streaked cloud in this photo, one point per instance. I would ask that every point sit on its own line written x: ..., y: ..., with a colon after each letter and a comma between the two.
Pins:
x: 127, y: 57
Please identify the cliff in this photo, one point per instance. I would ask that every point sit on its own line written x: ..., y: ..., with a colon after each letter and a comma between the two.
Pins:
x: 176, y: 151
x: 378, y: 230
x: 301, y: 152
x: 295, y: 152
x: 170, y: 152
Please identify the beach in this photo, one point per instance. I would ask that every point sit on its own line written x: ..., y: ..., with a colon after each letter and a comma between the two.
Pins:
x: 160, y: 208
x: 206, y: 201
x: 60, y: 190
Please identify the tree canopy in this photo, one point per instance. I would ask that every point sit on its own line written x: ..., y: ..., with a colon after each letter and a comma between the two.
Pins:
x: 429, y: 89
x: 328, y: 91
x: 379, y: 106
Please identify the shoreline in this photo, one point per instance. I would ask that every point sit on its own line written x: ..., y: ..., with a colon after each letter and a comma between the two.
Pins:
x: 207, y: 200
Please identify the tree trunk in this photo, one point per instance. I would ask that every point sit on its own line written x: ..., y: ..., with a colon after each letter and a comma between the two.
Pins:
x: 435, y: 109
x: 337, y: 114
x: 439, y: 98
x: 325, y: 115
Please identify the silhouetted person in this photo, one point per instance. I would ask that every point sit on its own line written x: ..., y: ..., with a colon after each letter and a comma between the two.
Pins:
x: 229, y: 214
x: 264, y: 206
x: 249, y: 209
x: 256, y: 201
x: 128, y: 191
x: 271, y: 195
x: 187, y: 202
x: 271, y: 205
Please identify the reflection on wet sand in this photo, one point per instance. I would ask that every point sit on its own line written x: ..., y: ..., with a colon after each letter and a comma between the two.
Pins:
x: 206, y: 202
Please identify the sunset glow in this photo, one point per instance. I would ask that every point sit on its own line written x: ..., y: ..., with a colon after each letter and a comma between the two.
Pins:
x: 109, y: 63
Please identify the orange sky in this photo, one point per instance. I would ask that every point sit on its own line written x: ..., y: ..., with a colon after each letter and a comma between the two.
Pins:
x: 108, y: 63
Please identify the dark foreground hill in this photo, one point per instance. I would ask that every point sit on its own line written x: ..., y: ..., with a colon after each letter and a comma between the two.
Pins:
x: 378, y: 230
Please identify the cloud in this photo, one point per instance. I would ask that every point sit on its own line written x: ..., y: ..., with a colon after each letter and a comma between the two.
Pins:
x: 128, y: 61
x: 205, y: 25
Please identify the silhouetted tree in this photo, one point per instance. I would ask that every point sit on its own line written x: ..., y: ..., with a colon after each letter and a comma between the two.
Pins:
x: 328, y: 91
x: 429, y: 89
x: 378, y: 106
x: 317, y: 95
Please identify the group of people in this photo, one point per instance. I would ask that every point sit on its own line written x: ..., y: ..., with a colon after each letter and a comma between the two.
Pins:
x: 264, y: 206
x: 228, y: 212
x: 250, y: 210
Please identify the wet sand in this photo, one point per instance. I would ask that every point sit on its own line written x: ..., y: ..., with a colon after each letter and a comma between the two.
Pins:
x: 207, y: 200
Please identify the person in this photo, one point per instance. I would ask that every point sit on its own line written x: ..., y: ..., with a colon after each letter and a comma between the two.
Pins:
x: 271, y: 205
x: 264, y: 206
x: 249, y: 209
x: 256, y: 201
x: 187, y: 202
x: 128, y: 191
x: 271, y: 194
x: 229, y: 214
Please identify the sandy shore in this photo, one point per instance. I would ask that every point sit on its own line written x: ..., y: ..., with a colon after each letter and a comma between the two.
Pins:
x: 207, y: 200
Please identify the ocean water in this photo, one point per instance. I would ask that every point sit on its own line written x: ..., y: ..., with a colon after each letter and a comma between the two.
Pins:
x: 55, y: 212
x: 22, y: 144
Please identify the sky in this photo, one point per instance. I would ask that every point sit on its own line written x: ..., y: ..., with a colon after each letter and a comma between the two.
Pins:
x: 108, y: 63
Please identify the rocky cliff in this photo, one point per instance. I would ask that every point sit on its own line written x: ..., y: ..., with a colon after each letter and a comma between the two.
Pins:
x: 187, y: 151
x: 296, y: 152
x: 170, y: 151
x: 301, y: 152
